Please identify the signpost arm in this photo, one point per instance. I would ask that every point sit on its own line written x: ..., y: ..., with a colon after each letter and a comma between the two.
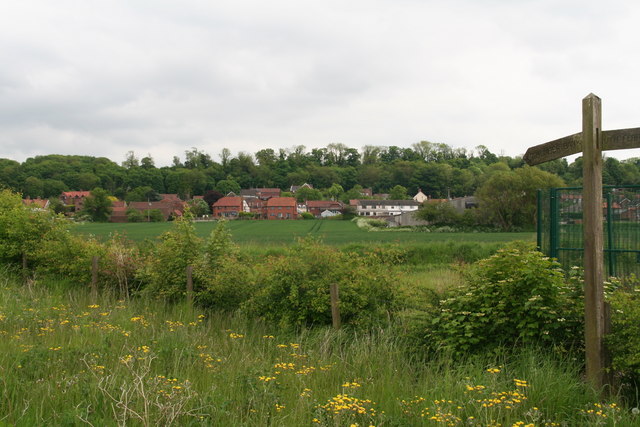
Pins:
x: 593, y: 240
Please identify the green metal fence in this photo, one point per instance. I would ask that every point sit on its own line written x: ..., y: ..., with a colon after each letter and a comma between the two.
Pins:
x: 560, y: 229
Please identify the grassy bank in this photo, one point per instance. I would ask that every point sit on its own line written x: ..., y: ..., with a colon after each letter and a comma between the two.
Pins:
x: 70, y: 360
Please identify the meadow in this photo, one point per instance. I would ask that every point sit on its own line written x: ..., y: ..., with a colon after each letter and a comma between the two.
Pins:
x: 279, y: 233
x: 68, y: 359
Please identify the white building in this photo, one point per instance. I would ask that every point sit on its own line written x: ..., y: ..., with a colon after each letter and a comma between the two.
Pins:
x: 385, y: 207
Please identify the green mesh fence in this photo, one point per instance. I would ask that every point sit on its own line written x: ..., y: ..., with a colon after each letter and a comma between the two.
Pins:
x: 560, y: 230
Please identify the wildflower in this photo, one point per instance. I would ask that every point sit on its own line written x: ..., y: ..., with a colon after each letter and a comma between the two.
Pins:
x: 93, y: 306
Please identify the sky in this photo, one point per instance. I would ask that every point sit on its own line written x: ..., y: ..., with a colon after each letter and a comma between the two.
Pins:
x: 159, y: 77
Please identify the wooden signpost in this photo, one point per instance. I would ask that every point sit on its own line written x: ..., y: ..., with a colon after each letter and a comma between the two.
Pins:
x: 591, y: 142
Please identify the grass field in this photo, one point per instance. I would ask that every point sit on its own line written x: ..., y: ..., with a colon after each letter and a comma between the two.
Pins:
x: 68, y: 360
x: 285, y: 232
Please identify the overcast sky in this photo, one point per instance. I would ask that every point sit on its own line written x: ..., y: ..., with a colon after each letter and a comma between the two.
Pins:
x: 158, y: 77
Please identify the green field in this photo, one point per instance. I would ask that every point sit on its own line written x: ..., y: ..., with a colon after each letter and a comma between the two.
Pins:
x: 285, y: 232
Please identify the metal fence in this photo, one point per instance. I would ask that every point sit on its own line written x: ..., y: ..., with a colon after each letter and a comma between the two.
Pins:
x: 560, y: 228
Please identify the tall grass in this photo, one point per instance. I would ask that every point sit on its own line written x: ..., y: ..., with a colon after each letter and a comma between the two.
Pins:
x: 69, y: 360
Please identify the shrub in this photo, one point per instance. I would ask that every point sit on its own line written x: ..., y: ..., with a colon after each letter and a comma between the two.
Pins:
x: 516, y: 297
x: 294, y: 289
x: 307, y: 215
x: 164, y: 272
x: 624, y: 340
x: 222, y: 280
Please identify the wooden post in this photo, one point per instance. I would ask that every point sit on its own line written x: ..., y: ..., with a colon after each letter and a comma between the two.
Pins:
x: 593, y: 240
x: 190, y: 285
x: 335, y: 306
x: 94, y: 278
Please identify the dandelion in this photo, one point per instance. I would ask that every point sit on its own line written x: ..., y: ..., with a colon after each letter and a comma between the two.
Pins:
x: 93, y: 306
x: 235, y: 336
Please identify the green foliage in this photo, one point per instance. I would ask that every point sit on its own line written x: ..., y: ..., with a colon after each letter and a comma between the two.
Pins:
x: 293, y: 290
x: 134, y: 215
x: 508, y: 198
x: 199, y: 207
x: 23, y: 229
x: 624, y: 340
x: 154, y: 215
x: 98, y: 205
x: 307, y: 215
x: 165, y: 269
x: 398, y: 192
x: 439, y: 213
x: 515, y: 297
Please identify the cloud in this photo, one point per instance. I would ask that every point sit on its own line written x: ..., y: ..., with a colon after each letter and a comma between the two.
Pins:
x: 103, y: 78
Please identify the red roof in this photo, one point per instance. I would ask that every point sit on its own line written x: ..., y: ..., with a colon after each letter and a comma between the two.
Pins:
x: 76, y: 193
x: 282, y: 201
x: 228, y: 201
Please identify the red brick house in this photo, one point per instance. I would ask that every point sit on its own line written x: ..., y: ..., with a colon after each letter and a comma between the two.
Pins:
x: 317, y: 207
x: 75, y: 199
x: 280, y: 208
x: 229, y: 207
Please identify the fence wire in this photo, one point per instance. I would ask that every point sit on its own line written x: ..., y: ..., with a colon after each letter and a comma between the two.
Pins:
x: 560, y: 228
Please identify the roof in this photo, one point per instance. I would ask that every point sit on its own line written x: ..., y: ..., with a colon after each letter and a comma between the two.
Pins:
x: 323, y: 204
x: 170, y: 197
x: 76, y: 193
x: 228, y: 201
x: 282, y: 201
x: 388, y: 203
x: 40, y: 203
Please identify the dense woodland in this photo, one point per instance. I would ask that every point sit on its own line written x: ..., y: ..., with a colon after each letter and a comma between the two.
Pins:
x: 336, y: 171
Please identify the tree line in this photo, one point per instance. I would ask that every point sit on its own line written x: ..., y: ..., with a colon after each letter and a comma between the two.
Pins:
x: 335, y: 171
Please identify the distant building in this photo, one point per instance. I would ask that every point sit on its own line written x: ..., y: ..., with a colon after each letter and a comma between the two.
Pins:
x: 385, y: 207
x: 324, y: 208
x: 420, y: 197
x: 75, y: 199
x: 229, y: 207
x: 280, y: 208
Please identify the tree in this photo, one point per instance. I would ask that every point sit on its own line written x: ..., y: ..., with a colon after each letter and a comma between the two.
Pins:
x: 199, y: 207
x: 23, y: 229
x: 438, y: 213
x: 227, y: 186
x: 98, y: 205
x: 398, y: 193
x: 130, y: 161
x: 334, y: 191
x: 212, y: 196
x: 508, y: 198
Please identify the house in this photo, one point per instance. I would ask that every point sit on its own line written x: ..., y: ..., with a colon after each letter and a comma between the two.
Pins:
x: 295, y: 188
x: 385, y: 207
x: 318, y: 208
x: 36, y: 204
x: 280, y: 208
x: 229, y: 207
x: 420, y: 197
x: 118, y: 212
x: 75, y: 199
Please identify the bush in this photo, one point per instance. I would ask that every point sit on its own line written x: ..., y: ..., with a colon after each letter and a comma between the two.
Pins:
x: 307, y: 215
x: 222, y: 279
x: 624, y: 340
x: 164, y: 272
x: 516, y: 297
x: 294, y: 289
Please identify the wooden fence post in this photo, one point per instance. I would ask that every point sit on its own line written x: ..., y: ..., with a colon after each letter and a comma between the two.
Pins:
x: 190, y: 285
x: 94, y: 278
x: 335, y: 306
